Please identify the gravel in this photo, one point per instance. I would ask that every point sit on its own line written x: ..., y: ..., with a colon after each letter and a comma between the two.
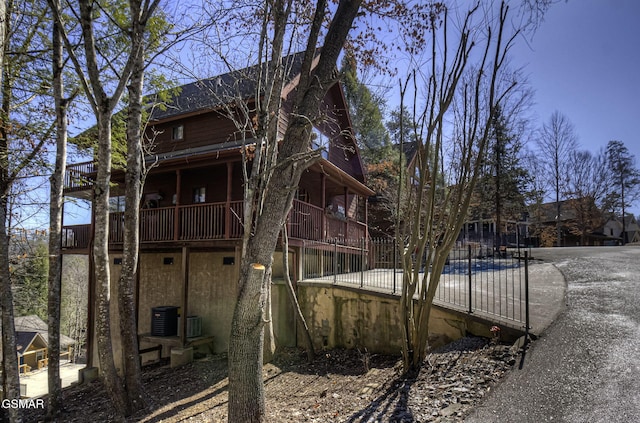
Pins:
x: 339, y: 386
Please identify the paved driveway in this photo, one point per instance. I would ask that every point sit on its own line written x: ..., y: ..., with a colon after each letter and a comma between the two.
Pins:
x: 586, y: 365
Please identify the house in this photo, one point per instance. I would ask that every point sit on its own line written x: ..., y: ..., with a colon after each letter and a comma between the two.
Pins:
x: 191, y: 217
x: 580, y: 223
x: 484, y: 232
x: 613, y: 230
x: 32, y: 338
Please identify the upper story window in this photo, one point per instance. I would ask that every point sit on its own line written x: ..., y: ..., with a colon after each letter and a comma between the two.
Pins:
x: 177, y: 132
x: 320, y: 141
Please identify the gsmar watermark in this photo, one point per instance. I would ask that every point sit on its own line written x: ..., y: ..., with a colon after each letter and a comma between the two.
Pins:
x: 22, y: 403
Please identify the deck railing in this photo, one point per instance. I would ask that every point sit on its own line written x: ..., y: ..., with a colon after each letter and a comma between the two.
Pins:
x: 157, y: 224
x: 76, y: 236
x: 305, y: 221
x: 78, y: 176
x: 202, y: 221
x: 213, y: 221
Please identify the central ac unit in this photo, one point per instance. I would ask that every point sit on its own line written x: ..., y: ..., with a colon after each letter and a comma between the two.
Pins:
x: 194, y: 326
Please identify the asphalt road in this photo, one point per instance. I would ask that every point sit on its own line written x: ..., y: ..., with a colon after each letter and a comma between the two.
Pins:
x: 586, y: 366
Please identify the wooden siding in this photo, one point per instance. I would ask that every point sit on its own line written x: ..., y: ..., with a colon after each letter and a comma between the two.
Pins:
x: 198, y: 131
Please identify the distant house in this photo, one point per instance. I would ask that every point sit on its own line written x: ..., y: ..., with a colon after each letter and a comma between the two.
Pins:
x: 580, y: 223
x: 32, y: 343
x: 613, y: 229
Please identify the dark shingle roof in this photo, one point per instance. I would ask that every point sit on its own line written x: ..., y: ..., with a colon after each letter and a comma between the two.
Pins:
x: 23, y: 340
x: 213, y: 92
x: 34, y: 324
x: 30, y: 323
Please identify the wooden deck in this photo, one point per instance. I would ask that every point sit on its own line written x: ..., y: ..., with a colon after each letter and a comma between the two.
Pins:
x: 214, y: 221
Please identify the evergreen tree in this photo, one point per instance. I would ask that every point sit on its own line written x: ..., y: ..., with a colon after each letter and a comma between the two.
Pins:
x: 500, y: 192
x: 29, y: 279
x: 625, y: 180
x: 365, y: 109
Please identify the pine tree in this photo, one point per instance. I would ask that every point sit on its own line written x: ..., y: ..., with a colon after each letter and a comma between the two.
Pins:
x: 625, y: 180
x: 365, y: 109
x: 499, y: 194
x: 29, y: 278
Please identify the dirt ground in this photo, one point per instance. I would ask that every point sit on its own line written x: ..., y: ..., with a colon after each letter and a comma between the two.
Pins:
x: 339, y: 386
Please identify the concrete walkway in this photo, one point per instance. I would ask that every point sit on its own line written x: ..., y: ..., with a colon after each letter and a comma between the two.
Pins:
x: 547, y: 295
x: 547, y: 290
x: 37, y: 384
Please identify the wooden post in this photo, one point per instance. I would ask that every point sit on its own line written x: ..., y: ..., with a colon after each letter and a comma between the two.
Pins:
x: 346, y: 214
x: 323, y: 228
x: 91, y: 301
x: 227, y: 214
x: 176, y: 210
x: 185, y: 295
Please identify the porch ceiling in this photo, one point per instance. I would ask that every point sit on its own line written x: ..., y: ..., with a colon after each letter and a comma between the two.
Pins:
x: 338, y: 179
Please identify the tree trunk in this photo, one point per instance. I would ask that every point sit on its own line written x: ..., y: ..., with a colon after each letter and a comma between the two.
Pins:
x: 55, y: 229
x: 127, y: 282
x: 112, y: 382
x: 246, y: 390
x: 10, y: 372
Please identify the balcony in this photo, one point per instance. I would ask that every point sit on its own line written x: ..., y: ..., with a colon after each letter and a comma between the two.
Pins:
x: 79, y: 177
x: 215, y: 221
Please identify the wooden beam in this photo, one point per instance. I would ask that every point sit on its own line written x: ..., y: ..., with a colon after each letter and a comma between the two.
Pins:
x: 176, y: 212
x: 323, y: 229
x: 227, y: 214
x: 346, y: 213
x: 185, y: 295
x: 91, y: 300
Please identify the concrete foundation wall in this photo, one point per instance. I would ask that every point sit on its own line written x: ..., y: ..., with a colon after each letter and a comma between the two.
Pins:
x: 338, y: 316
x: 160, y: 285
x: 345, y: 317
x: 213, y: 293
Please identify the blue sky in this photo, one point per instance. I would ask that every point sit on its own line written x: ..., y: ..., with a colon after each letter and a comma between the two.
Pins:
x: 584, y: 61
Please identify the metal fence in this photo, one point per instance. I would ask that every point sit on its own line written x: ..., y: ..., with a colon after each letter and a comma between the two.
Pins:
x: 475, y: 278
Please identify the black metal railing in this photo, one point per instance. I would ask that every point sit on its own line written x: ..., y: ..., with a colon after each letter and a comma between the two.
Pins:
x: 475, y: 278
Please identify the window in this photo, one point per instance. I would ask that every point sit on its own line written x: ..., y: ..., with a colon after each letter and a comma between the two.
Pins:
x: 320, y: 141
x: 177, y: 132
x: 116, y: 204
x: 199, y: 195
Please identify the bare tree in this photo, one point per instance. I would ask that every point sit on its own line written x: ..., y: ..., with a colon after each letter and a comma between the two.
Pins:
x: 439, y: 185
x: 586, y: 190
x: 556, y: 143
x: 276, y: 164
x: 23, y: 134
